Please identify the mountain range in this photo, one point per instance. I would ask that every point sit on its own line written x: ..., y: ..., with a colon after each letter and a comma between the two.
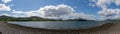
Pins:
x: 35, y: 18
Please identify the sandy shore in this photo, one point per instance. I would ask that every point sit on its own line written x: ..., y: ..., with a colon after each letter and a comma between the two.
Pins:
x: 105, y: 29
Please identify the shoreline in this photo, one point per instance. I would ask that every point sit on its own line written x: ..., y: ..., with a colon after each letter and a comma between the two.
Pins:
x: 99, y: 25
x: 10, y: 29
x: 92, y: 28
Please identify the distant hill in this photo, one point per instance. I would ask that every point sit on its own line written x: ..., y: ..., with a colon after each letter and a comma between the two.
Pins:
x: 35, y: 18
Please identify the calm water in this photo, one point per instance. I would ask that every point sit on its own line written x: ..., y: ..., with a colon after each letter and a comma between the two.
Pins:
x: 60, y: 25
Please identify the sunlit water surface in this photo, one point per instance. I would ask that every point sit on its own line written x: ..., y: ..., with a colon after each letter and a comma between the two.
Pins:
x: 60, y: 25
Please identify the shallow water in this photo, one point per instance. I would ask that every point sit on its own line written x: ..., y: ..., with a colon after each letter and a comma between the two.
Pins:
x: 60, y: 25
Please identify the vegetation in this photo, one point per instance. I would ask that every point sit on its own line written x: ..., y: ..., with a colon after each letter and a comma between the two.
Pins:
x: 33, y: 18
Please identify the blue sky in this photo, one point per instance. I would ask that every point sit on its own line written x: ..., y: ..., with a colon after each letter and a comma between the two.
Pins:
x: 27, y: 5
x: 80, y: 6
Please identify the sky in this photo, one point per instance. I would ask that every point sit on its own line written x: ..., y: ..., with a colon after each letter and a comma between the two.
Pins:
x: 62, y: 9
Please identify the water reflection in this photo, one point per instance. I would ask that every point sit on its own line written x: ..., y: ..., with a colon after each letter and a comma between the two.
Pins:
x: 59, y: 25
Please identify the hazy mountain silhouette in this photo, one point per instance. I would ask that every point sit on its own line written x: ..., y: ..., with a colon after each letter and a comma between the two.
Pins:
x: 35, y: 18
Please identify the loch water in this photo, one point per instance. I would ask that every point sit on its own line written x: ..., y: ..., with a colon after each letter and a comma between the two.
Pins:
x: 60, y: 25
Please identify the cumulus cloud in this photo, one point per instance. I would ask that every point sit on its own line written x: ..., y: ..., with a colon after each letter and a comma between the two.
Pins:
x: 56, y: 12
x: 6, y: 1
x: 104, y: 3
x: 83, y: 16
x: 108, y: 12
x: 3, y: 7
x: 24, y: 13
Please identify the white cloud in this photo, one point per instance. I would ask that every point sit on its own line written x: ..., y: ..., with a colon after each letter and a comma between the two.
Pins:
x: 117, y: 2
x: 24, y: 13
x: 56, y: 12
x: 4, y: 14
x: 3, y: 7
x: 6, y: 1
x: 113, y: 13
x: 104, y: 3
x: 83, y: 16
x: 108, y: 12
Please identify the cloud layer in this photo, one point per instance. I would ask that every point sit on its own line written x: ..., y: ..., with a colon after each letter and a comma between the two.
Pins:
x: 3, y: 7
x: 108, y: 13
x: 59, y: 11
x: 56, y: 12
x: 64, y: 12
x: 6, y: 1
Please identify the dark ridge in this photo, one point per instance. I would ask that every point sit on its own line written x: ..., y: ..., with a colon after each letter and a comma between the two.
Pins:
x: 35, y: 18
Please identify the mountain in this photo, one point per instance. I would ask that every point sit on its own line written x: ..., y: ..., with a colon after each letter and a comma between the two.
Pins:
x: 34, y: 18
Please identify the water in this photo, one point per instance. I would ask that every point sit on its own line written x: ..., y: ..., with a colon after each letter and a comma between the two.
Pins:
x: 60, y: 25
